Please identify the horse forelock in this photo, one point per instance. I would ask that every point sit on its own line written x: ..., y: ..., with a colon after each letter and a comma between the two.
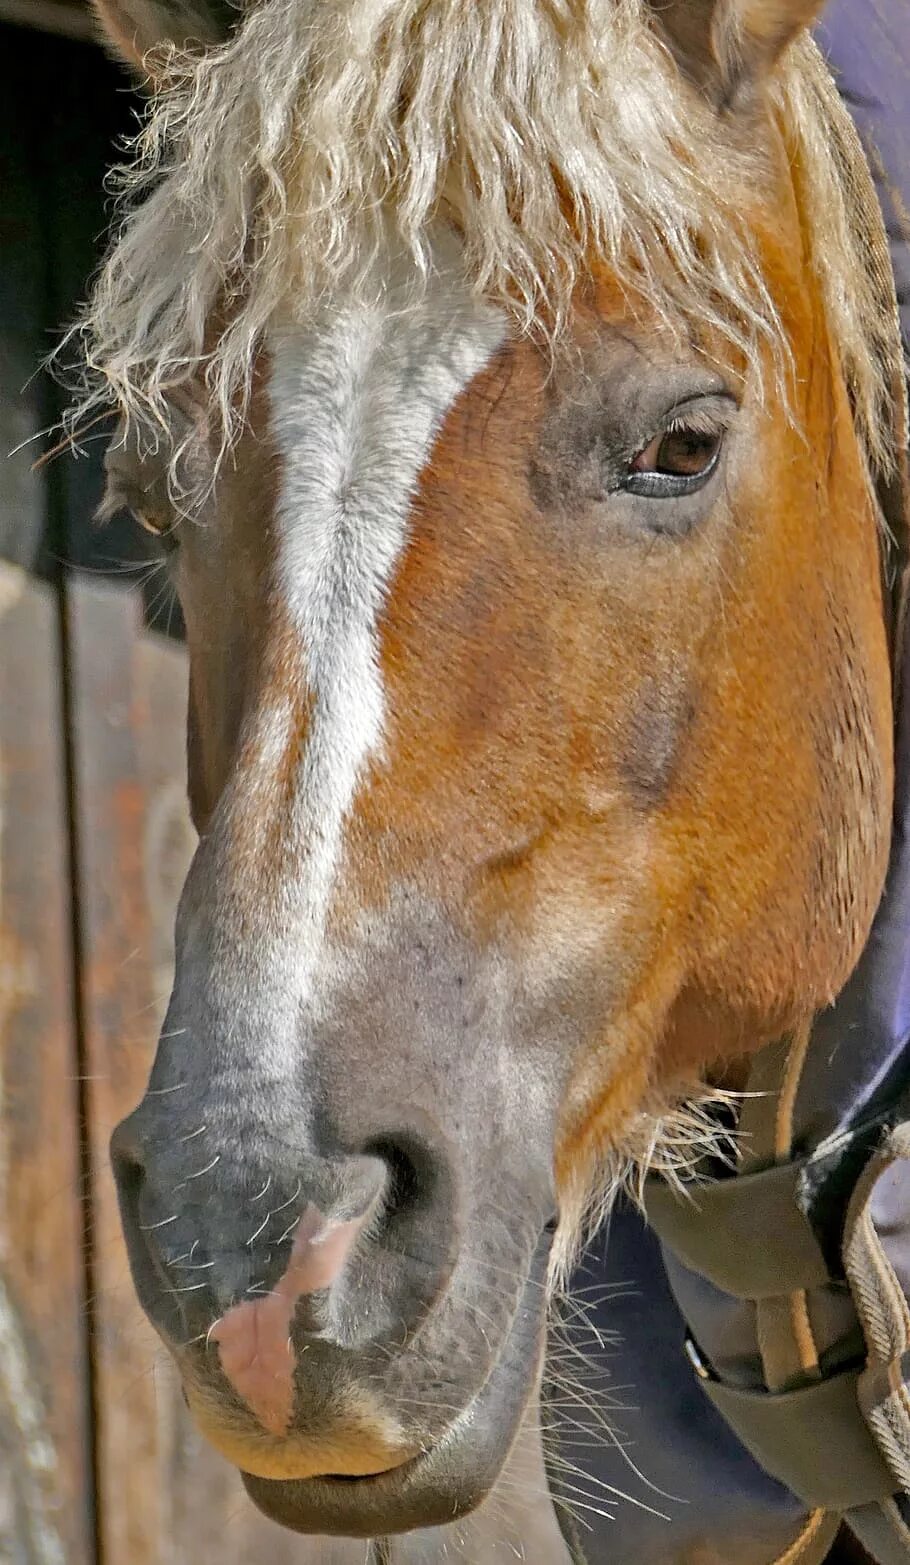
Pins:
x: 273, y: 171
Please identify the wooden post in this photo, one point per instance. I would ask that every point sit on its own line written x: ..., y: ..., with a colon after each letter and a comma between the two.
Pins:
x: 45, y: 1466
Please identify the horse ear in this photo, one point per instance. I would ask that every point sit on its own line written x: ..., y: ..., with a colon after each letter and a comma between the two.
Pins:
x: 133, y: 27
x: 728, y: 47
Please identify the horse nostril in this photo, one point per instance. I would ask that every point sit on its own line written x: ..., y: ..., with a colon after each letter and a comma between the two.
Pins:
x: 416, y: 1235
x: 151, y: 1277
x: 403, y: 1189
x: 124, y: 1149
x: 341, y: 1245
x: 128, y: 1173
x: 419, y: 1192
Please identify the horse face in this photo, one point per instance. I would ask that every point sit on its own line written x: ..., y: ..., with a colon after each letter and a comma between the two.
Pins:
x: 512, y: 697
x: 539, y: 749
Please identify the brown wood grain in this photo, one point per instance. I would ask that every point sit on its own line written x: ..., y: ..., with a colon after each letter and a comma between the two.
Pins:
x: 45, y: 1479
x: 165, y: 1497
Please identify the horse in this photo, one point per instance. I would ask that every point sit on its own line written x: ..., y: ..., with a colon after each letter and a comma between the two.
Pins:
x: 510, y: 389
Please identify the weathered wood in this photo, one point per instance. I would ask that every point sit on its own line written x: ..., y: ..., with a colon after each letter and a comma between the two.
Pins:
x: 119, y: 1021
x: 45, y: 1477
x: 165, y: 1497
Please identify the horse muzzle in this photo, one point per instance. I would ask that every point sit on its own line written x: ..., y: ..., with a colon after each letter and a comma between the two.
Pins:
x: 450, y: 1478
x: 353, y: 1331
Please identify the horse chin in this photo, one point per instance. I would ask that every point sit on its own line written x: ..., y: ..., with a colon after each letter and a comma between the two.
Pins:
x: 441, y: 1484
x: 355, y: 1454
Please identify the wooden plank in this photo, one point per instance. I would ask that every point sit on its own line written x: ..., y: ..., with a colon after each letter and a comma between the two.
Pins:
x: 45, y: 1478
x: 119, y: 1023
x: 165, y: 1497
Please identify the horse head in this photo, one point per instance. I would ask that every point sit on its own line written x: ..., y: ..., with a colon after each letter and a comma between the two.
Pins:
x: 505, y: 385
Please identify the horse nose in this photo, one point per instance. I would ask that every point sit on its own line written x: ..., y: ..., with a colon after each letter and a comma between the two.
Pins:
x: 252, y: 1217
x: 258, y: 1246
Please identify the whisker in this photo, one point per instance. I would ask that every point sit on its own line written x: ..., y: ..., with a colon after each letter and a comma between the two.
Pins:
x: 289, y: 1201
x: 187, y: 1254
x: 262, y: 1226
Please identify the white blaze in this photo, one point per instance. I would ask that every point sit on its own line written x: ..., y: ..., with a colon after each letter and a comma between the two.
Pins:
x: 357, y: 396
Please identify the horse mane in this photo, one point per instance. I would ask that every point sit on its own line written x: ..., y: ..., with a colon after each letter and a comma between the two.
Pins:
x: 271, y: 173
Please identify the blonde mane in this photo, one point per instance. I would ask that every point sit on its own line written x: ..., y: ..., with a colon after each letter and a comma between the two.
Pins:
x: 270, y: 173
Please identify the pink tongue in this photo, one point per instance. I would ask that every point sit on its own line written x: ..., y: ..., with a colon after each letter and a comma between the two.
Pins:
x: 254, y: 1338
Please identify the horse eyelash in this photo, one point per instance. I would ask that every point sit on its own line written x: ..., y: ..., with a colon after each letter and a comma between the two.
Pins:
x: 700, y: 421
x: 692, y: 418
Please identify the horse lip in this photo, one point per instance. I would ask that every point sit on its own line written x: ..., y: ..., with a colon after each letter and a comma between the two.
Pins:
x: 444, y: 1483
x: 382, y: 1472
x: 352, y: 1507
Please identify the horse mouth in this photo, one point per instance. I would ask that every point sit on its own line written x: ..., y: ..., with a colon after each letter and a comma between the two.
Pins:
x: 443, y: 1483
x: 347, y: 1506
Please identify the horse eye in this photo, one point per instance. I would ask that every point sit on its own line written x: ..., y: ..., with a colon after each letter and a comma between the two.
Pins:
x: 161, y: 528
x: 681, y: 453
x: 677, y: 461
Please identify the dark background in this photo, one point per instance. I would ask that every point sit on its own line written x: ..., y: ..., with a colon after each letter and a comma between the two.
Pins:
x: 64, y: 108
